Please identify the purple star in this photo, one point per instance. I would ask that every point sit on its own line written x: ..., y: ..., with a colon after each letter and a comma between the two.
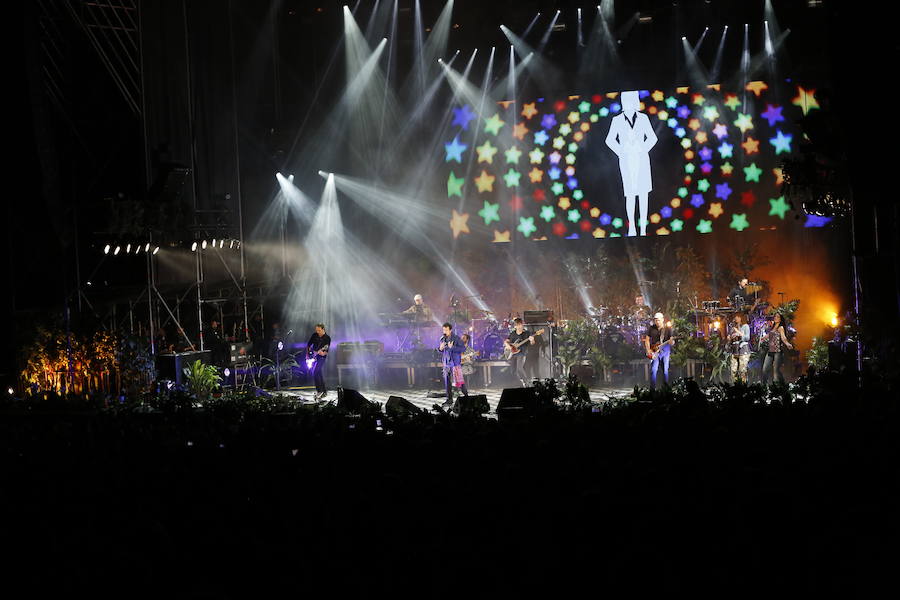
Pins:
x: 697, y: 200
x: 720, y: 131
x: 816, y: 221
x: 553, y: 173
x: 572, y: 183
x: 683, y: 112
x: 605, y: 219
x: 554, y: 158
x: 574, y: 236
x: 773, y: 114
x: 666, y: 212
x: 705, y: 153
x: 723, y: 191
x: 643, y: 93
x: 706, y: 168
x: 548, y: 122
x: 462, y: 116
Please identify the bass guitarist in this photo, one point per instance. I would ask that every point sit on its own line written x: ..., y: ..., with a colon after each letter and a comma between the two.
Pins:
x: 658, y: 342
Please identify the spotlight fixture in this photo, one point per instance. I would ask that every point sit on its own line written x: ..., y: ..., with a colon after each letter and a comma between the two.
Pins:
x: 116, y: 251
x: 128, y: 249
x: 155, y: 251
x: 147, y: 247
x: 194, y: 247
x: 106, y: 249
x: 203, y: 245
x: 231, y: 245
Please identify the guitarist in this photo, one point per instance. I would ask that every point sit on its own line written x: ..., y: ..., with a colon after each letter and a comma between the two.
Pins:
x: 658, y: 342
x: 518, y: 341
x: 317, y: 352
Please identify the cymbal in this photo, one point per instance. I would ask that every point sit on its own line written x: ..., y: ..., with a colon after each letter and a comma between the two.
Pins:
x: 753, y: 288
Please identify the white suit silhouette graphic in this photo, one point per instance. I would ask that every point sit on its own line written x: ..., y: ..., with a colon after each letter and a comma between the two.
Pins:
x: 631, y: 137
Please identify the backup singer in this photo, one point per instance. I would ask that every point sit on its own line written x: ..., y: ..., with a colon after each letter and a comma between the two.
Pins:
x: 516, y: 336
x: 451, y: 348
x: 316, y: 353
x: 774, y: 340
x: 658, y: 342
x: 419, y: 311
x: 739, y: 339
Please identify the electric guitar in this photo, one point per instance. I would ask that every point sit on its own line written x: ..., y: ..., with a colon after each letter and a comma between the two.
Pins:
x: 514, y: 348
x: 655, y: 348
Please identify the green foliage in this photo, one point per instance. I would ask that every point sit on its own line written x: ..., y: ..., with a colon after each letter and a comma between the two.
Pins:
x: 817, y: 355
x: 283, y: 370
x: 201, y: 379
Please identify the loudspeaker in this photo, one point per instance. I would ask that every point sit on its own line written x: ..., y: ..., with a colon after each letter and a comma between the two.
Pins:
x: 351, y: 401
x: 401, y: 408
x: 517, y: 403
x: 171, y: 366
x: 474, y: 405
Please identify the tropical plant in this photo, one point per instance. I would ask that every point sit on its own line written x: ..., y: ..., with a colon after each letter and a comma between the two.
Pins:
x: 201, y: 379
x: 817, y: 355
x: 283, y: 369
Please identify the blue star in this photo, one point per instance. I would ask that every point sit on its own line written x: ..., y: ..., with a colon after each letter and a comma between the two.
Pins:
x: 683, y: 112
x: 554, y: 172
x: 705, y: 153
x: 574, y: 236
x: 772, y: 114
x: 672, y: 122
x: 723, y: 191
x: 680, y: 132
x: 666, y: 212
x: 781, y: 142
x: 816, y: 221
x: 725, y: 150
x: 572, y: 183
x: 615, y: 107
x: 454, y: 150
x: 462, y: 116
x: 548, y: 122
x: 697, y: 200
x: 643, y: 93
x: 605, y: 219
x: 541, y: 137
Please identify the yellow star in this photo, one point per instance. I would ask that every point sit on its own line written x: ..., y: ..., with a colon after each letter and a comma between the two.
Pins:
x: 714, y: 86
x: 612, y: 95
x: 486, y: 152
x: 662, y: 231
x: 654, y: 218
x: 681, y: 90
x: 505, y: 103
x: 727, y: 168
x: 529, y: 110
x: 757, y: 87
x: 805, y: 99
x: 599, y: 233
x: 779, y: 177
x: 520, y: 130
x: 694, y: 124
x: 485, y: 182
x: 676, y: 202
x: 564, y: 203
x: 536, y: 175
x: 501, y: 236
x: 657, y: 96
x: 459, y: 223
x: 700, y: 137
x: 715, y: 209
x: 595, y: 212
x: 750, y: 146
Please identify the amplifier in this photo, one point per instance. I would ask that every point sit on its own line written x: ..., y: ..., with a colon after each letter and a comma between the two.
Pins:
x: 537, y: 316
x: 170, y: 366
x: 356, y: 352
x: 239, y: 351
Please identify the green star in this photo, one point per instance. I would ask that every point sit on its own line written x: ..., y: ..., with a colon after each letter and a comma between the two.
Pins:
x: 512, y: 178
x: 739, y: 222
x: 559, y: 143
x: 570, y: 159
x: 594, y: 118
x: 682, y: 192
x: 778, y: 207
x: 536, y: 156
x: 578, y: 194
x: 702, y: 185
x: 671, y: 102
x: 752, y: 173
x: 704, y: 226
x: 617, y: 223
x: 512, y: 155
x: 454, y: 185
x: 710, y: 113
x: 676, y: 224
x: 603, y: 112
x: 548, y: 213
x: 612, y: 235
x: 689, y: 168
x: 557, y: 188
x: 574, y: 215
x: 490, y: 212
x: 573, y: 147
x: 526, y: 226
x: 486, y: 152
x: 743, y: 122
x: 565, y: 129
x: 494, y: 124
x: 732, y: 102
x: 584, y: 106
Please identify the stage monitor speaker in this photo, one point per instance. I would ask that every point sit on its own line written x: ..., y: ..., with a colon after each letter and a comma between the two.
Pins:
x: 517, y: 403
x: 171, y: 366
x: 471, y: 406
x: 351, y: 401
x: 401, y: 408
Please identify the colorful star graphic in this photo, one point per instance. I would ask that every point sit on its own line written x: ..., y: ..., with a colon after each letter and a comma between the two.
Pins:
x: 486, y: 152
x: 572, y: 118
x: 731, y: 101
x: 816, y: 221
x: 715, y: 209
x: 676, y: 224
x: 725, y: 150
x: 519, y: 131
x: 559, y: 143
x: 694, y: 124
x: 657, y: 96
x: 671, y: 102
x: 512, y: 155
x: 485, y: 182
x: 599, y: 233
x: 702, y: 185
x: 773, y: 114
x: 723, y: 191
x: 739, y: 222
x: 554, y: 158
x: 757, y: 87
x: 701, y: 137
x: 557, y: 188
x: 494, y: 124
x: 697, y: 200
x: 548, y: 213
x: 548, y: 121
x: 689, y: 168
x: 564, y: 203
x: 462, y: 116
x: 536, y: 156
x: 752, y: 173
x: 565, y: 129
x: 535, y: 175
x: 683, y: 112
x: 750, y: 146
x: 526, y: 226
x: 706, y: 168
x: 490, y: 212
x: 574, y: 215
x: 578, y: 194
x: 710, y: 113
x: 501, y: 236
x: 748, y: 198
x: 726, y: 168
x: 512, y: 178
x: 720, y: 131
x: 781, y: 142
x: 705, y: 153
x: 779, y: 176
x: 541, y: 137
x: 777, y: 206
x: 554, y: 173
x: 744, y: 122
x: 459, y: 223
x: 529, y: 110
x: 698, y: 99
x: 805, y: 99
x: 454, y: 185
x: 454, y: 150
x: 704, y: 226
x: 584, y: 106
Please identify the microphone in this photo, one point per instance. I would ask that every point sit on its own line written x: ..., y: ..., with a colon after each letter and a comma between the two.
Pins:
x: 290, y: 331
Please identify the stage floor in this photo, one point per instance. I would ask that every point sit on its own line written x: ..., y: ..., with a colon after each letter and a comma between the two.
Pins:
x: 420, y: 396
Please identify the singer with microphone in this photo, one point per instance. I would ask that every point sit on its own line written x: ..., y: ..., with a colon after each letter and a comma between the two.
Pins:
x: 739, y: 342
x: 316, y: 353
x: 451, y: 348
